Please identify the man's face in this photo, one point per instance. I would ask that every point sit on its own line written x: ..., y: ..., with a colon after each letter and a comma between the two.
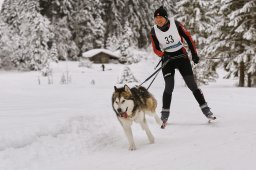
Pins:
x: 160, y: 21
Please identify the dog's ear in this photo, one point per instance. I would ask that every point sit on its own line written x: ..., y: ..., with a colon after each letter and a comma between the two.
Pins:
x: 115, y: 88
x: 127, y: 89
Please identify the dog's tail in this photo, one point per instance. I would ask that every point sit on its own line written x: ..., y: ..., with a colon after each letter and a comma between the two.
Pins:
x: 158, y: 120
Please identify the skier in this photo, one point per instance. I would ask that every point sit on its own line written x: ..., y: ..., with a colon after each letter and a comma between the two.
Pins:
x: 167, y: 41
x: 103, y: 67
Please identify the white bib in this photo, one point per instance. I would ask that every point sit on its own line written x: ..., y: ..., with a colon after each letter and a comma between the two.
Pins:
x: 170, y: 40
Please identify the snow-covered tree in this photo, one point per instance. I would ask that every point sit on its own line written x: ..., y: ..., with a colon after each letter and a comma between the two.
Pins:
x: 138, y: 14
x: 99, y: 31
x: 169, y: 5
x: 56, y: 9
x: 87, y: 26
x: 126, y: 42
x: 234, y: 39
x: 60, y: 15
x: 10, y: 12
x: 205, y: 71
x: 33, y: 52
x: 193, y: 14
x: 113, y: 42
x: 127, y: 46
x: 243, y: 23
x: 66, y: 48
x: 6, y: 44
x: 112, y: 17
x: 127, y: 76
x: 32, y: 34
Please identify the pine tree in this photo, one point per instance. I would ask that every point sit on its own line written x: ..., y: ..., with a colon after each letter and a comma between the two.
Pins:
x: 138, y: 14
x: 33, y: 52
x: 193, y: 14
x: 33, y: 33
x: 57, y: 9
x: 113, y: 42
x: 242, y: 21
x: 6, y: 44
x: 127, y: 76
x: 60, y: 15
x: 99, y: 31
x: 10, y: 11
x: 169, y: 5
x: 126, y: 43
x: 112, y: 18
x: 87, y: 26
x: 234, y: 39
x: 66, y: 48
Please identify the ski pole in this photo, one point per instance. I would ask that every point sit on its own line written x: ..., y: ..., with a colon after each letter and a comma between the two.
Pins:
x: 155, y: 72
x: 158, y: 63
x: 152, y: 80
x: 164, y: 64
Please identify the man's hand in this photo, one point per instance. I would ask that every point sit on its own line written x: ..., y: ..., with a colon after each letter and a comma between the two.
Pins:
x: 195, y: 58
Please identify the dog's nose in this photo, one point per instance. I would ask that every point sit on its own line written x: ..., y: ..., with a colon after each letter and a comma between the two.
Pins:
x: 119, y: 110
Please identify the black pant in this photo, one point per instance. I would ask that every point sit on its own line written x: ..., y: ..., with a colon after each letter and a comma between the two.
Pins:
x: 185, y: 69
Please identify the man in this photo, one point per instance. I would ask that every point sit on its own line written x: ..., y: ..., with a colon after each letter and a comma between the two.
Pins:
x: 103, y: 67
x: 167, y: 41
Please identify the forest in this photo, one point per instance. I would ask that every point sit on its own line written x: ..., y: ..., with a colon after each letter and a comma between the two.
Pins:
x: 36, y: 32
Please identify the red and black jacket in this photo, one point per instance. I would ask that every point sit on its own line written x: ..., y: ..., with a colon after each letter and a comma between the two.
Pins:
x: 184, y: 33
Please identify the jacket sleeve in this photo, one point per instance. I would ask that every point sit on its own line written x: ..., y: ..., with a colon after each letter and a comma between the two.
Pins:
x: 155, y: 43
x: 186, y: 35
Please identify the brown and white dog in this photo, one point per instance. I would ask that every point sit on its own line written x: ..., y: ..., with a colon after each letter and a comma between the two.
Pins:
x: 132, y: 105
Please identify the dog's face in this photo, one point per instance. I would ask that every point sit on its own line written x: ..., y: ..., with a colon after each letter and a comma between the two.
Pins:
x: 122, y: 100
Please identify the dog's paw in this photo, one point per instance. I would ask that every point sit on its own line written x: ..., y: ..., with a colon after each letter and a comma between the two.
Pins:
x: 152, y: 140
x: 132, y: 147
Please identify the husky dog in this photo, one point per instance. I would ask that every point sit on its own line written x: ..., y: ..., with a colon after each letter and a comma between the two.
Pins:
x: 132, y: 105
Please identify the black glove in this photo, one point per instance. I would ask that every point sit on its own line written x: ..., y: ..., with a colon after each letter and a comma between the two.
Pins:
x: 195, y: 58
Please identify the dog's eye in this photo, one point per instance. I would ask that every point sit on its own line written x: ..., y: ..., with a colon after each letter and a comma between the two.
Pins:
x: 116, y: 102
x: 123, y: 101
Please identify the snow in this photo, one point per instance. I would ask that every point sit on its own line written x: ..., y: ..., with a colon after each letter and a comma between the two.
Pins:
x: 1, y: 2
x: 93, y: 52
x: 72, y: 126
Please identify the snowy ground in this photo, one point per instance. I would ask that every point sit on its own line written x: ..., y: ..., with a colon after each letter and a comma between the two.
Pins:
x: 73, y: 127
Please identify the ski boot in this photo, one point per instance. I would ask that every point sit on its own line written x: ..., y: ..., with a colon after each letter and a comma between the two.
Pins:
x: 207, y: 112
x: 165, y: 114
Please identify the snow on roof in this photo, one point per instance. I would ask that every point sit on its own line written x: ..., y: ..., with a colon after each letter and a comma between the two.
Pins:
x: 93, y: 52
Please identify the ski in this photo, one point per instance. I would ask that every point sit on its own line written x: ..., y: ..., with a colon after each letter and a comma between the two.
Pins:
x: 164, y: 125
x: 211, y: 118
